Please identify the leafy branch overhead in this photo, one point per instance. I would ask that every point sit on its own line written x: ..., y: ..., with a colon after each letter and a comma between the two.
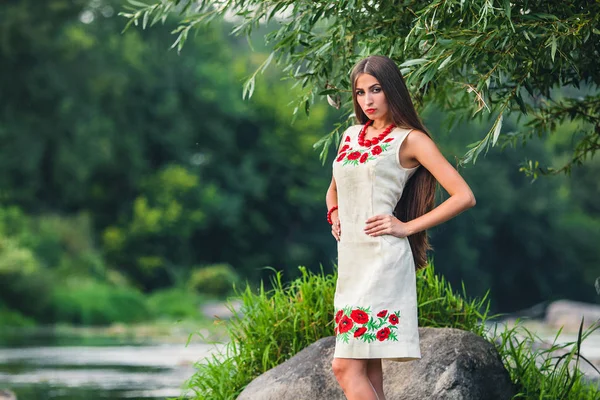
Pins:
x: 484, y: 59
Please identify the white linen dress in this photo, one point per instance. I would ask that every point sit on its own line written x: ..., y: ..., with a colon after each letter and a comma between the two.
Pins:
x: 375, y: 298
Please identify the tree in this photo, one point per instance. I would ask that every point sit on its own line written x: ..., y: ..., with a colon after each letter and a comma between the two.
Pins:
x: 115, y: 126
x: 483, y: 59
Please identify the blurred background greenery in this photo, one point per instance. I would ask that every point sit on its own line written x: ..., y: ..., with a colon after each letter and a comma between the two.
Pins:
x: 136, y: 184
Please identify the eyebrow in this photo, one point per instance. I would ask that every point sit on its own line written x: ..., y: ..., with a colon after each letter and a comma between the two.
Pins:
x: 375, y: 84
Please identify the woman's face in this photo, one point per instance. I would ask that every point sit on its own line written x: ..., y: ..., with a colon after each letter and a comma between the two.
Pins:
x: 370, y: 97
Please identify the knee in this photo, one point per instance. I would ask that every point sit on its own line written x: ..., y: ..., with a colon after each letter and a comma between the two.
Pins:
x: 339, y: 367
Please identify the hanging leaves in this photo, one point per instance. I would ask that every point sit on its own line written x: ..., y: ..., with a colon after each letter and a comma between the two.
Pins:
x: 441, y: 47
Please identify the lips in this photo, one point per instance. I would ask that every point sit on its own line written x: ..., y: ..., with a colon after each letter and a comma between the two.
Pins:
x: 370, y: 110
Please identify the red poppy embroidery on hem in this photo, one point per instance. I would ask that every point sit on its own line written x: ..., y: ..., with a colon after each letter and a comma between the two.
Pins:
x: 383, y: 334
x: 345, y: 324
x: 361, y: 324
x: 360, y: 331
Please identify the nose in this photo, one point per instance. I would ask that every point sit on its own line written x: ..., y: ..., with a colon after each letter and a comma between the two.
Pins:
x: 368, y: 99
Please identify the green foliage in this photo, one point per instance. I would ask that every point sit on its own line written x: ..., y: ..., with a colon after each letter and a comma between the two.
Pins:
x: 155, y: 244
x: 24, y: 285
x: 273, y: 325
x: 522, y: 241
x: 468, y: 57
x: 86, y: 302
x: 216, y: 280
x: 65, y: 244
x: 132, y: 164
x: 10, y: 318
x: 545, y: 372
x: 179, y: 303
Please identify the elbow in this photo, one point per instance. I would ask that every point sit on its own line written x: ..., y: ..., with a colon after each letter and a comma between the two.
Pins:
x: 471, y: 200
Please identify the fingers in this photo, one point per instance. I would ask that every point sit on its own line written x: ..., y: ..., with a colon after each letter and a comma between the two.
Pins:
x: 335, y: 235
x: 379, y: 225
x: 336, y: 230
x: 376, y: 218
x: 382, y: 229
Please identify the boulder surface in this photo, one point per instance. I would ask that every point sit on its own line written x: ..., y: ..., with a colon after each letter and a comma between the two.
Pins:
x: 6, y: 394
x: 568, y: 314
x: 455, y: 365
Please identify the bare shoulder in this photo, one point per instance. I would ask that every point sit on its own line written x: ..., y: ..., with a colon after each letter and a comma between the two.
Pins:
x: 417, y: 136
x: 418, y: 142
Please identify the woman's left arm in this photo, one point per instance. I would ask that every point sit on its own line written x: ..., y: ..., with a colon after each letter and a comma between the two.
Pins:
x: 420, y: 147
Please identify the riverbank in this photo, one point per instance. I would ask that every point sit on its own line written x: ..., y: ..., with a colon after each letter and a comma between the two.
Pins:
x: 161, y: 331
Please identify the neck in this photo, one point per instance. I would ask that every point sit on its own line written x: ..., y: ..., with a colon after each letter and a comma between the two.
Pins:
x: 380, y: 123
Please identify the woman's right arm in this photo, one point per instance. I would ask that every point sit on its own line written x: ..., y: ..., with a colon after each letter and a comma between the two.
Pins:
x: 332, y: 200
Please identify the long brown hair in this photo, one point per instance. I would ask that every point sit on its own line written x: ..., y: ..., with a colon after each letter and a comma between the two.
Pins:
x: 419, y: 193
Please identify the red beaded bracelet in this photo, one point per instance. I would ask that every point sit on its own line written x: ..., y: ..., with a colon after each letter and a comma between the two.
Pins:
x: 332, y: 209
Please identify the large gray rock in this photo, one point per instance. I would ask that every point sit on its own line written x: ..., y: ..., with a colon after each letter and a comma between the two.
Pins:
x: 568, y: 314
x: 455, y: 365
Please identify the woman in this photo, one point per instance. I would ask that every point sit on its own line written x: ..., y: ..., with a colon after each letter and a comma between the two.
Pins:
x: 380, y: 203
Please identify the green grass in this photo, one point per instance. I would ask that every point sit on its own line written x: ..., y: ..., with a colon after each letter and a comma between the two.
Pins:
x: 273, y: 325
x: 548, y: 372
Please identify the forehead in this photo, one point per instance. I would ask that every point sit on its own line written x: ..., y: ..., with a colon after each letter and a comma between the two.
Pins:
x: 365, y: 80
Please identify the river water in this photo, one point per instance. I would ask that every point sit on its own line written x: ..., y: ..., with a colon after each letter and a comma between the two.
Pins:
x: 41, y: 367
x: 75, y: 367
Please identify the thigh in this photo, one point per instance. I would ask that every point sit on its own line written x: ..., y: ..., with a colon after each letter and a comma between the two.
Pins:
x: 374, y: 364
x: 352, y: 365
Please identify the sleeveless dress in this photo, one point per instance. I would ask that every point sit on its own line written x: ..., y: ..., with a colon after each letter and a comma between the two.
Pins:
x: 375, y: 298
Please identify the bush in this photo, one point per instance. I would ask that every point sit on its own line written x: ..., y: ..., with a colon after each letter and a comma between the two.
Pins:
x: 174, y: 303
x: 12, y: 319
x: 216, y: 280
x: 24, y: 284
x: 87, y: 302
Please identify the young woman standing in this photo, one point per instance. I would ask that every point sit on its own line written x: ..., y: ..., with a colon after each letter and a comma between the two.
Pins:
x: 380, y: 204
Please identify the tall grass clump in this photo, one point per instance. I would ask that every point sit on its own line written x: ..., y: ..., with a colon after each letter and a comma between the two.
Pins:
x: 548, y: 371
x: 273, y: 325
x: 440, y: 307
x: 270, y: 327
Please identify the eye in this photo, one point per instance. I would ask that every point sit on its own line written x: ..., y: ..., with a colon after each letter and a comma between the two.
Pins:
x: 376, y: 89
x: 359, y: 92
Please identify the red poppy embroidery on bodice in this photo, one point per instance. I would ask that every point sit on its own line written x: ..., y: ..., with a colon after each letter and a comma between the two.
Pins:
x: 349, y: 155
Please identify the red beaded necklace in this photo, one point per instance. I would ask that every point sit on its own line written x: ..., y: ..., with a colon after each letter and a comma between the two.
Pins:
x: 375, y: 140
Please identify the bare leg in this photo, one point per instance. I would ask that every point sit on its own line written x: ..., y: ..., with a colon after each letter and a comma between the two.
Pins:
x: 375, y: 374
x: 351, y: 374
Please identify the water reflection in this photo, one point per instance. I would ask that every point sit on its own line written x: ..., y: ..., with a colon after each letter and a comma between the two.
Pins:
x: 148, y: 371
